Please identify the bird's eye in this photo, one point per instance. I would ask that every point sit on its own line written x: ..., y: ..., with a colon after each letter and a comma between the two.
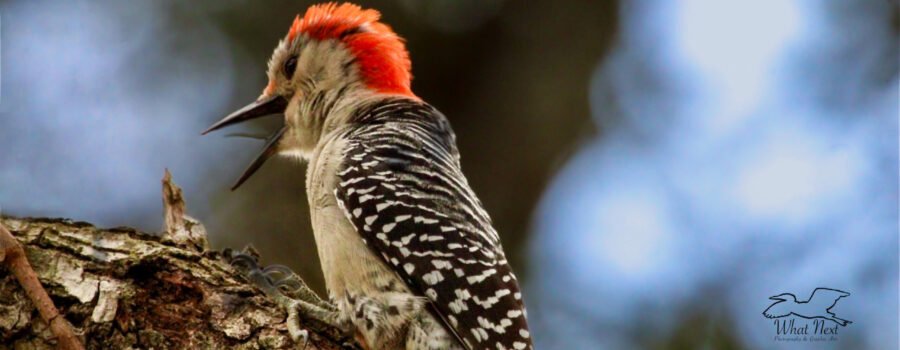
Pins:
x: 289, y: 66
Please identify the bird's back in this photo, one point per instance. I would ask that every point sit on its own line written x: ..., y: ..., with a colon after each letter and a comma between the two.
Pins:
x: 402, y: 188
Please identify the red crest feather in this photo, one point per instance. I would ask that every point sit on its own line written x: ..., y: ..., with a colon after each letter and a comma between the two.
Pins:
x: 381, y: 55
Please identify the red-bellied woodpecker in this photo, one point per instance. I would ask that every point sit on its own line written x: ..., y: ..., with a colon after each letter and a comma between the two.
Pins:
x: 409, y: 255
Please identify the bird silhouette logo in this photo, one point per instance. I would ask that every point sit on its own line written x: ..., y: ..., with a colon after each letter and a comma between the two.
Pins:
x: 818, y: 305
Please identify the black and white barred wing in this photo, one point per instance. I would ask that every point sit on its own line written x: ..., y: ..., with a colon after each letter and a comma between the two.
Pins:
x: 403, y: 190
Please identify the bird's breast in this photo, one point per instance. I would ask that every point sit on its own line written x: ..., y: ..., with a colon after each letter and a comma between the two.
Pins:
x: 348, y: 265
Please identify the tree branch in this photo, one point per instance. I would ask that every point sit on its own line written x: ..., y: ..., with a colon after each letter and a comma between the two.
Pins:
x: 13, y: 257
x: 121, y: 288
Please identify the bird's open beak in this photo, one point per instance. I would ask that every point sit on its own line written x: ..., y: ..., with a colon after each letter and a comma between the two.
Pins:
x: 777, y: 297
x: 260, y: 108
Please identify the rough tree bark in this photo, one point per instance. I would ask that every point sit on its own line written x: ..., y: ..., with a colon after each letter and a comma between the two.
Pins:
x: 123, y: 289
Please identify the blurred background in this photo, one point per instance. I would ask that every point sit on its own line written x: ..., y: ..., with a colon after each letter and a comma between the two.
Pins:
x: 657, y: 169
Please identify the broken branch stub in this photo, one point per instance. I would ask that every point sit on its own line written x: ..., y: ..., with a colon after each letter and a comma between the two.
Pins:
x: 178, y: 226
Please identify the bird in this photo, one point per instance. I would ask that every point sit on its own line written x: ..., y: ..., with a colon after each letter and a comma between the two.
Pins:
x: 818, y: 305
x: 409, y: 254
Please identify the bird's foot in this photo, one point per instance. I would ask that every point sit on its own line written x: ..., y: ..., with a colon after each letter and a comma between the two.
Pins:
x: 274, y: 280
x: 289, y: 291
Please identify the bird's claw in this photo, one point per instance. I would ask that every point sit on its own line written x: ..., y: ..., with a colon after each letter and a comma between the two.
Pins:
x: 300, y: 336
x: 288, y: 290
x: 283, y: 278
x: 244, y: 260
x: 273, y: 279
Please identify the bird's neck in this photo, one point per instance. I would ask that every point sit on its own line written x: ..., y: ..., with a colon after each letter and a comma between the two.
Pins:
x: 318, y: 113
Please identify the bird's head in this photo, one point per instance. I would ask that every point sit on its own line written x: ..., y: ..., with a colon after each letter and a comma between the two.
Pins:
x: 784, y: 297
x: 331, y: 52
